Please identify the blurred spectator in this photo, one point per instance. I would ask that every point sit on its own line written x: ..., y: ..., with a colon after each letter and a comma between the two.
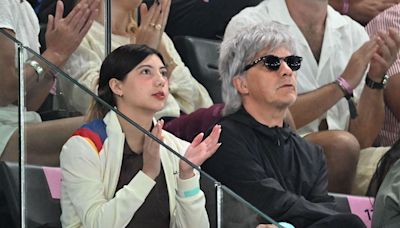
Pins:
x: 389, y: 18
x: 362, y: 10
x: 384, y: 187
x: 44, y: 140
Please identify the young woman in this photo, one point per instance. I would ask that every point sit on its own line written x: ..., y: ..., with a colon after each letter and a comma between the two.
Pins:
x: 385, y: 187
x: 114, y: 175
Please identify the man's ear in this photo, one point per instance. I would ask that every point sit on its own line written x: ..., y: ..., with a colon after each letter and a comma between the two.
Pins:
x: 240, y: 83
x: 116, y: 86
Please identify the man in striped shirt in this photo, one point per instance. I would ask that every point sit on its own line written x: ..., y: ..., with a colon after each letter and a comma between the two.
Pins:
x: 391, y: 129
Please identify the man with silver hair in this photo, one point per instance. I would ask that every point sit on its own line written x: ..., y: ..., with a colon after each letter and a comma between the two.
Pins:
x: 325, y: 112
x: 260, y: 157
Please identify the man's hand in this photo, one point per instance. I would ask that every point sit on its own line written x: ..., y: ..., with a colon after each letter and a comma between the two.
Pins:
x: 389, y: 45
x: 64, y: 35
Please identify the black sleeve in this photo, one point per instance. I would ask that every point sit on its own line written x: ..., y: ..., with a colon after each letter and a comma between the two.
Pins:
x: 239, y: 169
x: 319, y: 192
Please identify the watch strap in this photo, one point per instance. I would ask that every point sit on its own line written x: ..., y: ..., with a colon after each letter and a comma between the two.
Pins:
x: 376, y: 85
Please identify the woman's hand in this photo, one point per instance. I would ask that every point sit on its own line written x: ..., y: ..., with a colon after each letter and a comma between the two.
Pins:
x: 64, y: 35
x: 199, y: 151
x: 151, y: 152
x: 152, y: 24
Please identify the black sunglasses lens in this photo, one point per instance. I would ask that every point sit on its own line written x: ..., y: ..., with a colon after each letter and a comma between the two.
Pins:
x: 294, y: 62
x: 272, y: 62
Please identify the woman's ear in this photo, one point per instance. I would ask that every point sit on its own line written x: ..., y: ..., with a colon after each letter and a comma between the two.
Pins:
x: 240, y: 83
x: 116, y: 87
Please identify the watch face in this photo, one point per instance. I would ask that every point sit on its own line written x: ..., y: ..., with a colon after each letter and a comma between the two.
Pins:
x: 385, y: 79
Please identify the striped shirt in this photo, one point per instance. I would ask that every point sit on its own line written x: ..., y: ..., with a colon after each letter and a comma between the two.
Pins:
x: 387, y: 19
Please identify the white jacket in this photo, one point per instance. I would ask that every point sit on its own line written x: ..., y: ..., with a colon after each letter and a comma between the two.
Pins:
x: 89, y: 180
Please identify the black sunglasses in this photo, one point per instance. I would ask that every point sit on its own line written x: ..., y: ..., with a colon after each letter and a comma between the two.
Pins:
x: 272, y: 62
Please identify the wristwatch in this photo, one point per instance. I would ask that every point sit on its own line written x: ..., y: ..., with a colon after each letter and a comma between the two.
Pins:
x: 377, y: 85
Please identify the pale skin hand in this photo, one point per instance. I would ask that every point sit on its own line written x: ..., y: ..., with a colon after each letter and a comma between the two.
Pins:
x: 151, y: 152
x: 147, y: 32
x: 199, y: 151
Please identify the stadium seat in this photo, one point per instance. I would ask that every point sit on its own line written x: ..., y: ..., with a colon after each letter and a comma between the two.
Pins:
x: 42, y: 209
x: 359, y: 205
x: 201, y: 57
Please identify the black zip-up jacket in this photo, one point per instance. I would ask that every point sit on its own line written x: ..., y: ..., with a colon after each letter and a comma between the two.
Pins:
x: 274, y: 169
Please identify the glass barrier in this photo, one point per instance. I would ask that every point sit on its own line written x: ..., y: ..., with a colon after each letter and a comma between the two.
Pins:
x: 36, y: 198
x: 11, y: 132
x: 223, y: 206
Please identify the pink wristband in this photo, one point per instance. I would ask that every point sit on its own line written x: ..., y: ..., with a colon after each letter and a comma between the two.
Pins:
x: 345, y: 85
x: 345, y: 7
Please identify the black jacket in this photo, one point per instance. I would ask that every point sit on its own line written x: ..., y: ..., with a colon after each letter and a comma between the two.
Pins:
x: 274, y: 169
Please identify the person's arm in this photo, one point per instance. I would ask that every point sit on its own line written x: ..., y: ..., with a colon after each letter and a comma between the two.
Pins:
x: 189, y: 93
x: 9, y: 85
x: 190, y: 199
x: 392, y: 94
x: 362, y: 10
x: 384, y: 21
x: 190, y: 204
x: 63, y: 35
x: 311, y: 105
x: 371, y: 103
x: 238, y: 168
x: 319, y: 192
x: 83, y: 185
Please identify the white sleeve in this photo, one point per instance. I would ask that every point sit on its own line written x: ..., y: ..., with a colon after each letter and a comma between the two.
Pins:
x: 84, y: 66
x: 8, y: 20
x: 83, y: 186
x: 190, y: 206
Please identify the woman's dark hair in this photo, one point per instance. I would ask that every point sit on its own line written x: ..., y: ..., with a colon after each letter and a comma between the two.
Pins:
x: 117, y: 65
x: 383, y: 167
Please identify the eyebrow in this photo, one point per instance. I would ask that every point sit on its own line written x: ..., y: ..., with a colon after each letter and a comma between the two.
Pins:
x: 150, y: 66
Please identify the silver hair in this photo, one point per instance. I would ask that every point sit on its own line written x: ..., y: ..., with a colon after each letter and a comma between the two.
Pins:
x: 238, y: 51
